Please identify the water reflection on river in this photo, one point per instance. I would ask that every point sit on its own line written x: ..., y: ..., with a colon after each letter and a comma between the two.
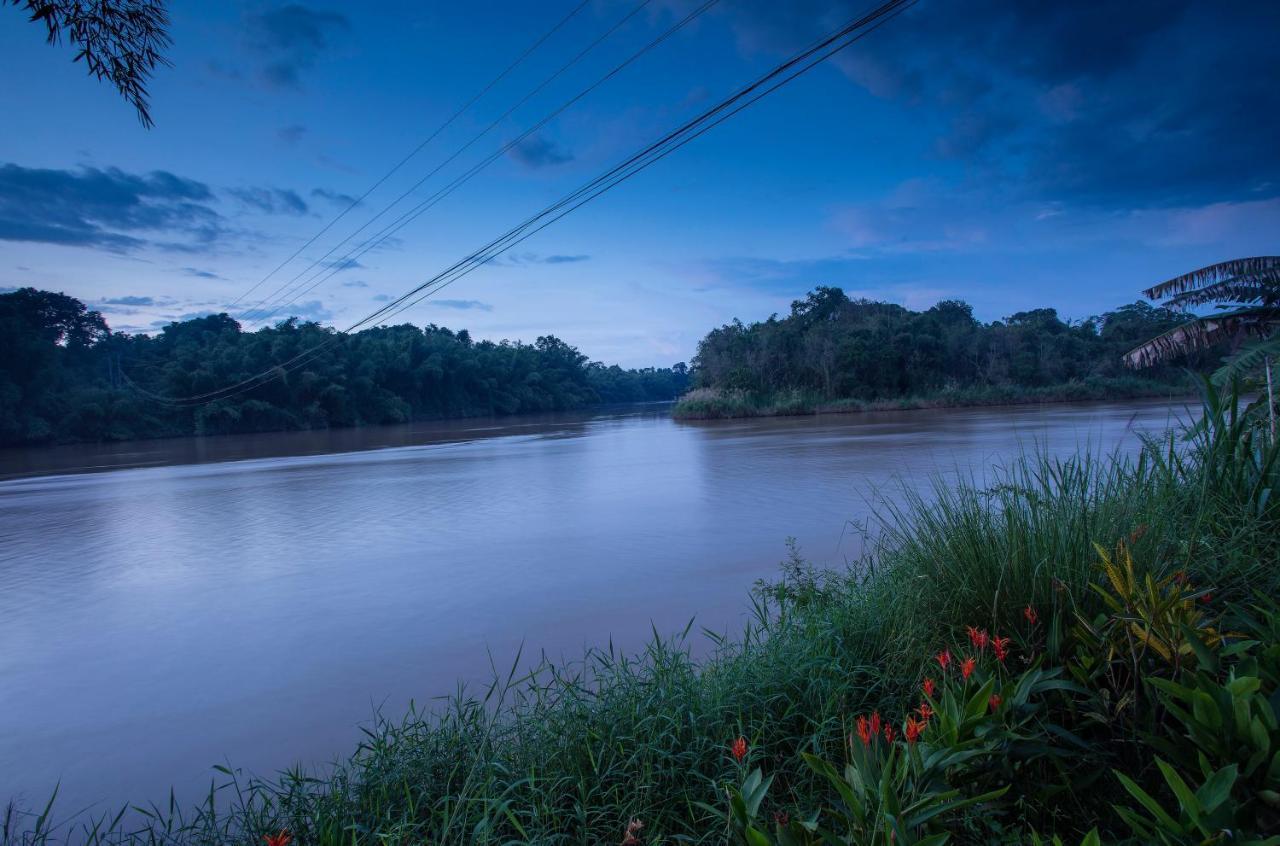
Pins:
x: 253, y: 598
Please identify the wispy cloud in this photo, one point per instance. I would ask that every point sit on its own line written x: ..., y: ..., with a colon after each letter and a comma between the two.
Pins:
x: 537, y: 152
x: 461, y: 305
x: 291, y: 39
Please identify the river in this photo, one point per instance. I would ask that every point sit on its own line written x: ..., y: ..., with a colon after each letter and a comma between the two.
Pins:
x: 170, y: 605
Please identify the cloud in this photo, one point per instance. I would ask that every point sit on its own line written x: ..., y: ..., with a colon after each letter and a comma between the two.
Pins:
x: 355, y: 283
x: 537, y: 152
x: 336, y: 197
x: 517, y: 259
x: 1066, y: 102
x: 200, y: 274
x: 291, y: 39
x: 292, y: 133
x: 310, y: 310
x: 382, y: 298
x: 461, y: 305
x: 129, y: 301
x: 270, y: 200
x: 104, y: 208
x: 342, y: 264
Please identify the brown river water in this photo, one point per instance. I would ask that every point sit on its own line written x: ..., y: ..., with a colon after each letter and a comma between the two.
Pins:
x: 166, y: 606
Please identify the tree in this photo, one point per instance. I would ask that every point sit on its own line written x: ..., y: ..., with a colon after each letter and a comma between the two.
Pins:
x: 1245, y: 294
x: 121, y: 41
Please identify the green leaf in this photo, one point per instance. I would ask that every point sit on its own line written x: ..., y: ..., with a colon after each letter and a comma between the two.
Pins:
x: 1217, y: 789
x: 1148, y: 802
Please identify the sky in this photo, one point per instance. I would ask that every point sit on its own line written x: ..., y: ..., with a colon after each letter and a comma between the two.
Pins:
x: 1014, y: 155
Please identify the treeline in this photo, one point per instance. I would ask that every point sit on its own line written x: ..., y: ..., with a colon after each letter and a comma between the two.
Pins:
x: 65, y: 376
x: 831, y: 347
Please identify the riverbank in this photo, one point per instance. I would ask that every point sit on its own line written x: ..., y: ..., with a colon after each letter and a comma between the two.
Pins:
x: 717, y: 404
x: 572, y: 753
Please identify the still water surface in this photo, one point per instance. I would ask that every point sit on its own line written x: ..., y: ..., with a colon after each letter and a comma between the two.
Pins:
x: 253, y: 599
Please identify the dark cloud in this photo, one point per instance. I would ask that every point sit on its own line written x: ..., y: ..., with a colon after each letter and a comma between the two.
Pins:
x: 291, y: 39
x: 342, y: 264
x: 461, y: 305
x: 270, y: 200
x: 292, y: 133
x: 336, y: 197
x: 128, y: 301
x: 537, y: 152
x: 1150, y: 103
x: 105, y: 208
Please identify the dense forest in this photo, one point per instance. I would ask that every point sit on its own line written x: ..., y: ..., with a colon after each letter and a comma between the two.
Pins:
x: 65, y: 376
x: 831, y: 347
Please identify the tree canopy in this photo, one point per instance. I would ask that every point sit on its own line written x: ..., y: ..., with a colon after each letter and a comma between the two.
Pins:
x: 64, y: 376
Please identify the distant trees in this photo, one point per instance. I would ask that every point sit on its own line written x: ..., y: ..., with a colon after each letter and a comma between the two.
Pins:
x: 835, y: 347
x: 61, y: 375
x: 120, y: 41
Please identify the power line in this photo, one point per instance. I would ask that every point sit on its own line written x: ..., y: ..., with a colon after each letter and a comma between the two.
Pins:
x: 441, y: 128
x: 781, y: 75
x: 344, y: 263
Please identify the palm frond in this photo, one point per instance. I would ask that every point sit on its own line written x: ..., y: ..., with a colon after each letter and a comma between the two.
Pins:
x: 1250, y: 357
x: 1220, y: 272
x: 1200, y: 333
x: 1263, y: 287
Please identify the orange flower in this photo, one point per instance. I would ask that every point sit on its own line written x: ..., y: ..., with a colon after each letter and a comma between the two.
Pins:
x: 1000, y: 646
x: 864, y: 731
x: 1031, y: 615
x: 739, y: 749
x: 888, y: 732
x: 281, y: 839
x: 944, y: 659
x: 913, y: 730
x: 994, y: 702
x: 966, y: 669
x: 978, y: 637
x: 925, y: 711
x: 928, y: 688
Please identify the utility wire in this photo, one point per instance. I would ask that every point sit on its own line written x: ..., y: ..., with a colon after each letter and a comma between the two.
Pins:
x: 344, y: 263
x: 743, y: 98
x: 441, y: 128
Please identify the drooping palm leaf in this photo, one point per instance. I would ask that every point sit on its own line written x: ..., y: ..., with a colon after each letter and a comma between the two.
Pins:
x: 1261, y: 288
x: 1220, y: 272
x: 1203, y: 332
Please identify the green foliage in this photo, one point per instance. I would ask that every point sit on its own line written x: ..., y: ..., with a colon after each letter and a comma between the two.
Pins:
x: 831, y: 349
x: 65, y: 377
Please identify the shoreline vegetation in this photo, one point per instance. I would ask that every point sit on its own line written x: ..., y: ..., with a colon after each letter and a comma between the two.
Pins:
x: 1013, y: 661
x: 721, y: 404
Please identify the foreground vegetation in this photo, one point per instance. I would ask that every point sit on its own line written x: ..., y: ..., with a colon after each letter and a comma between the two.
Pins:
x: 1111, y: 659
x: 64, y: 376
x: 832, y: 353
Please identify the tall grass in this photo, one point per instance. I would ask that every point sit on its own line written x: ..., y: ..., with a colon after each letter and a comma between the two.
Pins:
x: 568, y: 754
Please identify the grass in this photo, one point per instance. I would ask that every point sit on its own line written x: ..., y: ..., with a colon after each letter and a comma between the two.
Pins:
x: 568, y: 754
x: 716, y: 404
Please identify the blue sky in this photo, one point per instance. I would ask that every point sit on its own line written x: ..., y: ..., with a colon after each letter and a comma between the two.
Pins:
x: 1013, y: 155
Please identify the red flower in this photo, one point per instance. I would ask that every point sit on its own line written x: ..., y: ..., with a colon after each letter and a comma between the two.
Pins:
x: 875, y: 722
x: 944, y: 659
x: 1207, y: 598
x: 994, y: 702
x: 925, y: 712
x: 888, y: 732
x: 782, y: 818
x: 913, y: 730
x: 978, y: 637
x: 864, y: 732
x: 281, y: 839
x: 966, y: 669
x: 1000, y: 646
x: 739, y: 749
x: 1031, y: 615
x: 1181, y: 577
x: 928, y: 688
x: 633, y: 833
